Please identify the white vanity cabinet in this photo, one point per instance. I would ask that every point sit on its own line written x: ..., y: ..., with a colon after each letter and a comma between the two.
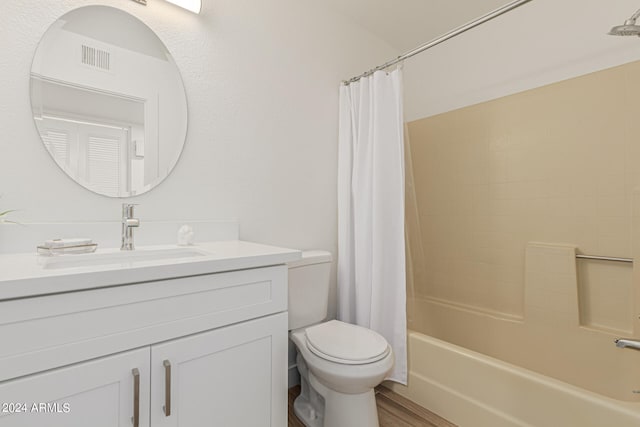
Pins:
x: 224, y: 377
x: 208, y: 349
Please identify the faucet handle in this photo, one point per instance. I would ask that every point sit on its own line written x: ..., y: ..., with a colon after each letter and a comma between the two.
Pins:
x: 127, y: 209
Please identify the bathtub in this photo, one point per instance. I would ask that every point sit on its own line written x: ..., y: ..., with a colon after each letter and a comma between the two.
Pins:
x: 474, y: 390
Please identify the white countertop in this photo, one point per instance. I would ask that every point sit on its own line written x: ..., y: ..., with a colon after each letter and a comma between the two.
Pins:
x: 29, y: 275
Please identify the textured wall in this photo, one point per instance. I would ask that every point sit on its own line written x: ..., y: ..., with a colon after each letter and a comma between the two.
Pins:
x: 262, y: 86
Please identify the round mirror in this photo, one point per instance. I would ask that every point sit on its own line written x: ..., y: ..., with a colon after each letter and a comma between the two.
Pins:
x: 108, y: 101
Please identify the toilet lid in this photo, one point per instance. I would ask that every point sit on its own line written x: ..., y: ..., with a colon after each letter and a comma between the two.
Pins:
x: 345, y: 343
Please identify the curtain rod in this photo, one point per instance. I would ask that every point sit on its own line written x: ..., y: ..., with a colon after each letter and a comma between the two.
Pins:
x: 451, y: 34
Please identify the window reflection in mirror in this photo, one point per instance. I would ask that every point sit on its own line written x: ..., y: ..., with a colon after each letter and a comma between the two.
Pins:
x: 108, y: 101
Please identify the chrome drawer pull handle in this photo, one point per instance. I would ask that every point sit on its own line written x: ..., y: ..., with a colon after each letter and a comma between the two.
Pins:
x: 136, y: 397
x: 167, y: 388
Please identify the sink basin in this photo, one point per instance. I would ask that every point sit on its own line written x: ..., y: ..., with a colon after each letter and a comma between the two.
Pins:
x: 124, y: 257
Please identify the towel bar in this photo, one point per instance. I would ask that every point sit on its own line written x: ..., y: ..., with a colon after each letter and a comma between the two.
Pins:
x: 605, y: 258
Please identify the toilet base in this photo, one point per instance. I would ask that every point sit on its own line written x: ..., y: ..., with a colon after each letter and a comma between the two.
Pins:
x: 309, y: 405
x: 306, y: 413
x: 348, y: 410
x: 319, y: 406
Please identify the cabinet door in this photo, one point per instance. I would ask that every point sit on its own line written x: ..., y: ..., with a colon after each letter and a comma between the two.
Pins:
x: 230, y: 377
x: 98, y: 393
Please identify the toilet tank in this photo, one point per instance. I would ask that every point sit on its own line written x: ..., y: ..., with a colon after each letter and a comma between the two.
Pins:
x: 309, y: 288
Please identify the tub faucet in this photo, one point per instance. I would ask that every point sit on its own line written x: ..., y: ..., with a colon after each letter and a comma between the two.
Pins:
x: 128, y: 224
x: 627, y: 343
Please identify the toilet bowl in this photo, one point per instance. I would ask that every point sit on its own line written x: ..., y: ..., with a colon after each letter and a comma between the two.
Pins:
x: 344, y: 388
x: 340, y: 364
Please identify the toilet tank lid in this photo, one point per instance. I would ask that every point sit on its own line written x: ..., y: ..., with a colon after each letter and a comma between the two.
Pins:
x: 310, y: 258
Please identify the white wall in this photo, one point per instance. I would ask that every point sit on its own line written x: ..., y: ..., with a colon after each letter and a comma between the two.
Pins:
x: 542, y: 42
x: 262, y: 84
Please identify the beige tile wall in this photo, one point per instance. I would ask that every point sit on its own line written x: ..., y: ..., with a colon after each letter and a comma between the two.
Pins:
x: 557, y: 164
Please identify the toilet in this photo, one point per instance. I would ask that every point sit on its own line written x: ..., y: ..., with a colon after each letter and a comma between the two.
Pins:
x: 339, y: 363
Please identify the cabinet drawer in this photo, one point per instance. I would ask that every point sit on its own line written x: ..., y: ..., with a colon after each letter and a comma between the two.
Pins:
x: 44, y: 332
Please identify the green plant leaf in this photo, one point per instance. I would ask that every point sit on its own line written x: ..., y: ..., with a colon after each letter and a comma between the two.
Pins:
x: 7, y: 212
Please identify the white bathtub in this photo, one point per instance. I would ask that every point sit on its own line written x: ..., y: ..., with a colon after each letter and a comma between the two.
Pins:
x: 474, y: 390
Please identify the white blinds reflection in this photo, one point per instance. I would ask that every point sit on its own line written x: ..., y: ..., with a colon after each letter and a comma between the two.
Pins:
x: 57, y: 142
x: 103, y: 156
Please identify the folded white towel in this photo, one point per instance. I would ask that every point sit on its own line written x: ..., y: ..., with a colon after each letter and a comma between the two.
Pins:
x: 65, y: 243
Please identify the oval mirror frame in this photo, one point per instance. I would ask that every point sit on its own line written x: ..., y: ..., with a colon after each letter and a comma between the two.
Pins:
x: 108, y: 101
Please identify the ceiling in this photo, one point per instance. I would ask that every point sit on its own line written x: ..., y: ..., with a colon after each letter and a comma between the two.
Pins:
x: 406, y: 24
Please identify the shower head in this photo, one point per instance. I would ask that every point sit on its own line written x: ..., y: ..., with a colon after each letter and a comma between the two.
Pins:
x: 629, y: 28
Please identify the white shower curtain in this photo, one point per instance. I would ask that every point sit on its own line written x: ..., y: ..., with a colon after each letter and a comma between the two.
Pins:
x: 371, y: 259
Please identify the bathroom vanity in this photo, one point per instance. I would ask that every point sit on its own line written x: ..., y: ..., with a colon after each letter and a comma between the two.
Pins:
x: 164, y: 336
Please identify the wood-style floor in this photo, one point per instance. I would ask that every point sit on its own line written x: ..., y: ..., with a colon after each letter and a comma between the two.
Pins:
x: 393, y: 411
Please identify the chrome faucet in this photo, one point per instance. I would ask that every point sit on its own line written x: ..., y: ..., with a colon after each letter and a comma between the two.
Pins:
x: 627, y: 343
x: 128, y: 224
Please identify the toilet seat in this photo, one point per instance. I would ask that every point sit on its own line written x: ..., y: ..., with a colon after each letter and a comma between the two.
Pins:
x: 347, y: 344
